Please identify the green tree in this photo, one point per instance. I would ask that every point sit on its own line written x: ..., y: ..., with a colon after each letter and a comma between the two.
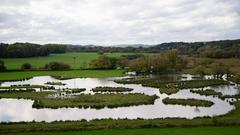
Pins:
x: 26, y: 66
x: 57, y: 66
x: 103, y: 62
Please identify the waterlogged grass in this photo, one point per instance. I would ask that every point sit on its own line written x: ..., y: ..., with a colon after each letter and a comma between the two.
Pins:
x: 22, y: 86
x: 111, y: 89
x: 207, y: 92
x: 168, y: 91
x: 55, y: 83
x: 73, y: 90
x: 172, y: 86
x: 145, y: 81
x: 230, y: 96
x: 190, y: 102
x: 200, y: 83
x: 41, y: 99
x: 223, y: 130
x: 4, y: 76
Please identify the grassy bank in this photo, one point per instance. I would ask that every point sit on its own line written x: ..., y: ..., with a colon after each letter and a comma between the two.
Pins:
x: 41, y: 99
x: 111, y: 89
x: 190, y: 102
x: 61, y: 74
x: 207, y: 92
x: 149, y: 131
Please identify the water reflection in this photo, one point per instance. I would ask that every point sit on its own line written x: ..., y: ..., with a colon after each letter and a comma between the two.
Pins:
x: 10, y: 108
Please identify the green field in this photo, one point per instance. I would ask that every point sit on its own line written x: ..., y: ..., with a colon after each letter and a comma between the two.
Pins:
x: 81, y: 60
x: 62, y: 74
x: 152, y: 131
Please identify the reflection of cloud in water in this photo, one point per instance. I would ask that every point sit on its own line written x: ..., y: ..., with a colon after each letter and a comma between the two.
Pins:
x: 21, y: 110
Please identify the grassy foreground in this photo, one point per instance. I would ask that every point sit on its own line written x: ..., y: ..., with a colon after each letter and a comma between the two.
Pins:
x: 62, y: 74
x: 150, y: 131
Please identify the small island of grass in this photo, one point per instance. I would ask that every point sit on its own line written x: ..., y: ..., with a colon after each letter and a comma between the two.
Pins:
x: 55, y: 83
x: 168, y: 90
x: 190, y: 102
x: 111, y: 89
x: 41, y: 99
x: 21, y: 86
x: 73, y: 90
x: 207, y: 92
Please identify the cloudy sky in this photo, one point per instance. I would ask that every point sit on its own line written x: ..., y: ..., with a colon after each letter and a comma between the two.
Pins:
x: 106, y: 22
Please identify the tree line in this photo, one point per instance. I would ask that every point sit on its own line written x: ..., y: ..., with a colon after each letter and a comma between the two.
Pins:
x: 211, y: 49
x: 165, y: 62
x: 23, y: 50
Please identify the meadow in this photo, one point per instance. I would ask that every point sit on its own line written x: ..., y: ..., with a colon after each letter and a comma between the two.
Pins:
x: 75, y: 60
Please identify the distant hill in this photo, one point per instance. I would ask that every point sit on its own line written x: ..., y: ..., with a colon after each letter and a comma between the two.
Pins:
x: 213, y: 49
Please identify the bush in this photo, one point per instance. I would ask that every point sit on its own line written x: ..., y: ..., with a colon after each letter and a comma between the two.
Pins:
x: 2, y: 66
x: 26, y: 66
x: 103, y: 62
x: 199, y: 70
x: 100, y: 52
x: 57, y: 66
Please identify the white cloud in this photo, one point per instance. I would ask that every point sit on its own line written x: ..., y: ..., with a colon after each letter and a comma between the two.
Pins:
x: 118, y: 21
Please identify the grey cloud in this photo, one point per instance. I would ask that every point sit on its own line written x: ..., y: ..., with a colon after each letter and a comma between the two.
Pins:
x: 118, y: 21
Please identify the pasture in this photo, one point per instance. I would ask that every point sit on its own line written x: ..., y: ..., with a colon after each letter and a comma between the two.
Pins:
x: 75, y: 60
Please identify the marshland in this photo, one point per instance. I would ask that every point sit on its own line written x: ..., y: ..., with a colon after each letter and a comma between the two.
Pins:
x: 169, y: 67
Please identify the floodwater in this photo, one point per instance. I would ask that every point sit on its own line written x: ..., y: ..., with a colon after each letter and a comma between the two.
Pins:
x: 15, y: 110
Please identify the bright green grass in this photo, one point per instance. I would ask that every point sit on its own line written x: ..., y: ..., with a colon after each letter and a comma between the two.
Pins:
x: 151, y: 131
x: 64, y: 74
x: 81, y: 60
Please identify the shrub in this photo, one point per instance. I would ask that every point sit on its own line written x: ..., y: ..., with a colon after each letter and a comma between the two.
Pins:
x: 2, y: 66
x: 26, y: 66
x: 57, y: 66
x: 103, y: 62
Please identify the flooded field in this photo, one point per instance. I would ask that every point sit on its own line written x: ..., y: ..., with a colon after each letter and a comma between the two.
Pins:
x: 14, y: 110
